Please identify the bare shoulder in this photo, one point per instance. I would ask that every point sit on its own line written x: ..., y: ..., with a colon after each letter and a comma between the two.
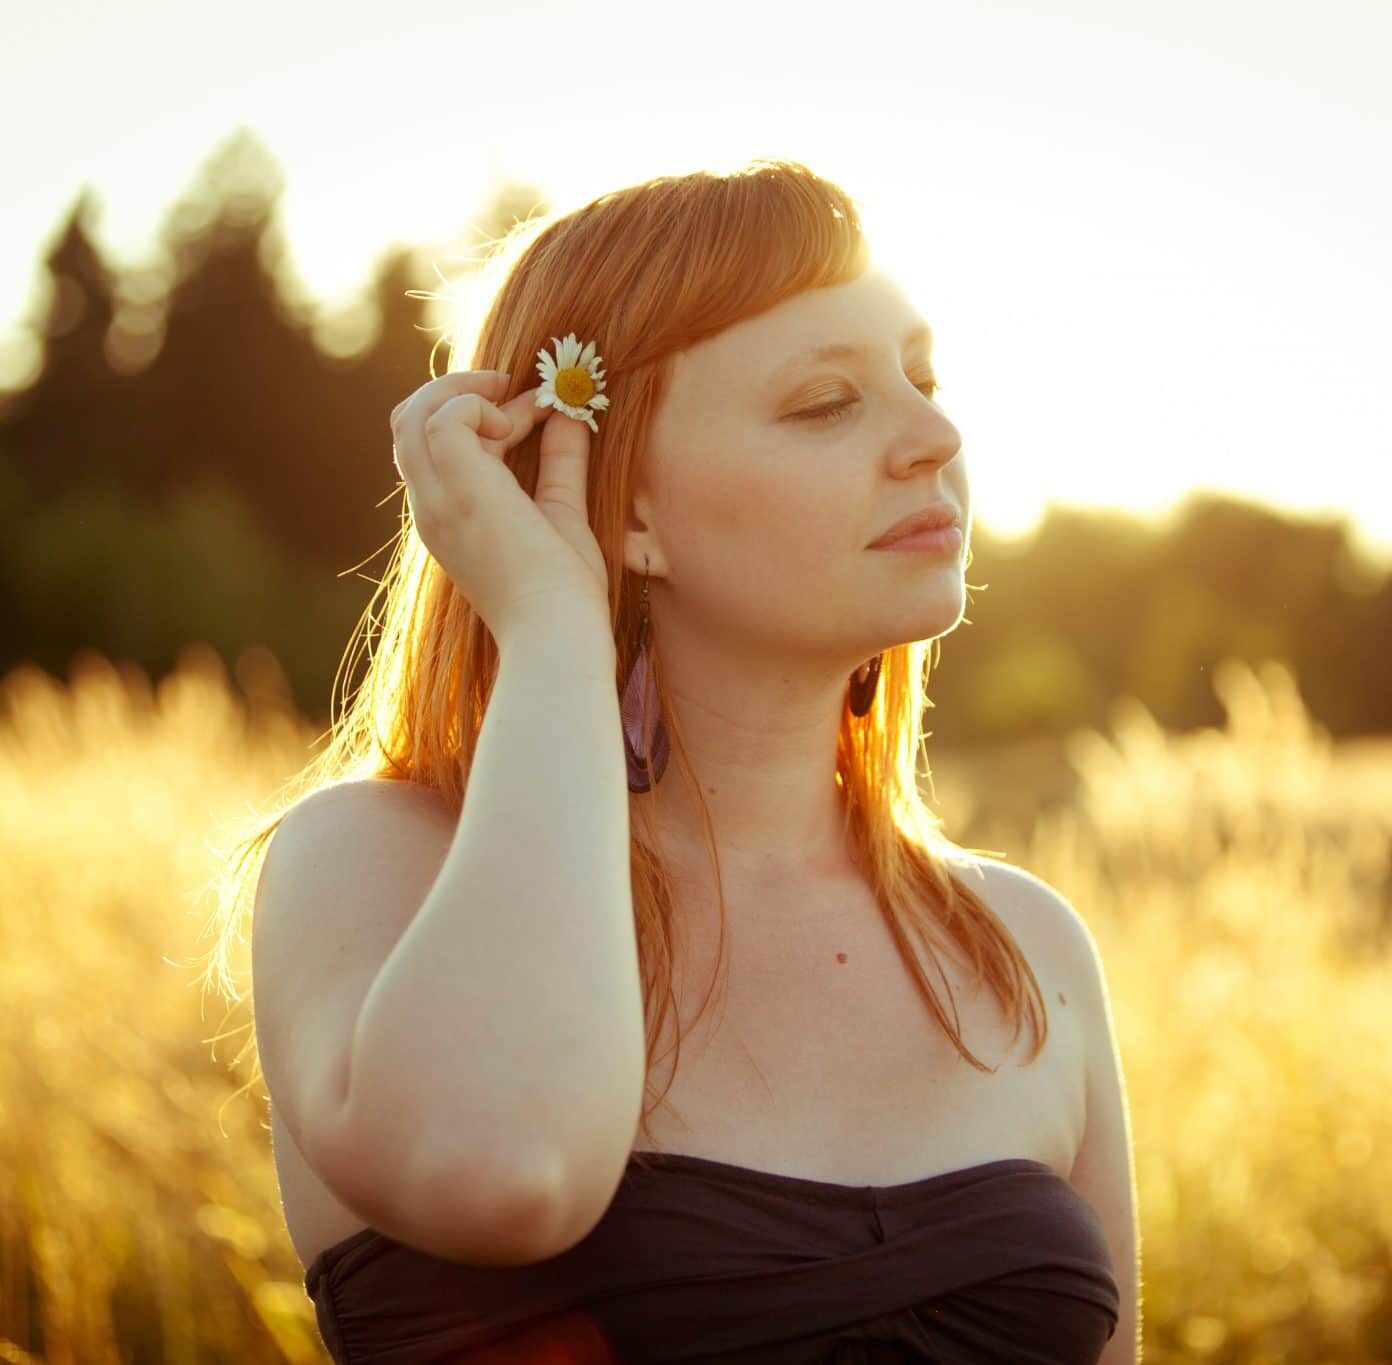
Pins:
x: 356, y: 803
x: 415, y: 797
x: 1103, y: 1170
x: 344, y: 874
x: 1042, y: 919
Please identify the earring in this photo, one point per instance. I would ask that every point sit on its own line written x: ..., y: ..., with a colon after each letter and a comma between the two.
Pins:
x: 645, y: 736
x: 864, y: 681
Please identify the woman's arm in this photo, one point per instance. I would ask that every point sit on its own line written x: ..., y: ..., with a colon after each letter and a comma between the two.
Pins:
x: 1104, y: 1171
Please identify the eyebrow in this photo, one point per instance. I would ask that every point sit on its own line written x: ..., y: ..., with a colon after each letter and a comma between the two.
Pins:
x: 841, y: 350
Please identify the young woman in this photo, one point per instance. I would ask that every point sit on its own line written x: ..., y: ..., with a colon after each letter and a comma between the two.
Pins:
x: 642, y: 722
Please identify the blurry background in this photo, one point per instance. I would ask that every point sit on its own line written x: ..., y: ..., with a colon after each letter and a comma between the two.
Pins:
x: 1151, y: 240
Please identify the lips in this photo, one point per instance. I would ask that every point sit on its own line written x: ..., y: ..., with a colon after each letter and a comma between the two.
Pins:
x: 931, y: 518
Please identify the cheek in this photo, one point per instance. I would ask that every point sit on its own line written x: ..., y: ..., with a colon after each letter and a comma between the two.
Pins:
x: 746, y: 512
x: 778, y: 521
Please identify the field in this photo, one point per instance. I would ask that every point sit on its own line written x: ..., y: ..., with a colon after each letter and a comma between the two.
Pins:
x: 1238, y: 881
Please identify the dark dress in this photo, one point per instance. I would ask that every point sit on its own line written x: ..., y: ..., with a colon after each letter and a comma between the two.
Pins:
x: 701, y: 1260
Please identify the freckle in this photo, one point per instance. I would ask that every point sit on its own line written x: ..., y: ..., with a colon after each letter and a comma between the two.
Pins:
x: 1063, y: 997
x: 840, y: 957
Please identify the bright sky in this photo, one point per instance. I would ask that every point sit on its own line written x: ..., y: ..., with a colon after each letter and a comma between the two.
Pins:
x: 1152, y: 238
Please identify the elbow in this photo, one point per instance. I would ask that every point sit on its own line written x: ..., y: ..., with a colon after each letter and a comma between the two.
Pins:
x: 488, y: 1219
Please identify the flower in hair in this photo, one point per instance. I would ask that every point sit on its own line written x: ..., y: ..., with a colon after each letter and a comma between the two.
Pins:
x: 572, y: 383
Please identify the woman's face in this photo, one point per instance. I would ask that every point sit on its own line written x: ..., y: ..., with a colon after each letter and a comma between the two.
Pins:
x: 769, y: 472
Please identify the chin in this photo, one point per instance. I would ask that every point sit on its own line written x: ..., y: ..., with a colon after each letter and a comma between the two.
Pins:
x: 941, y: 615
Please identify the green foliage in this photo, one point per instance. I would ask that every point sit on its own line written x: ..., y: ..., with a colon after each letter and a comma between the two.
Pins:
x: 138, y: 582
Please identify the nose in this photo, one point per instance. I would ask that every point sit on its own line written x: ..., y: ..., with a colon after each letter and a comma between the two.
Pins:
x: 931, y: 438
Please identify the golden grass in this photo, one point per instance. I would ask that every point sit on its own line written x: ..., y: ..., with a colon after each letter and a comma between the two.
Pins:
x: 1237, y: 882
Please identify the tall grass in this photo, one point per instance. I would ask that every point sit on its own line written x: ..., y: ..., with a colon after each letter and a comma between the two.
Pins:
x: 1238, y: 882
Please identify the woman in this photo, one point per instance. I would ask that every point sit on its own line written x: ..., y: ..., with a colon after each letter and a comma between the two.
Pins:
x: 904, y: 1135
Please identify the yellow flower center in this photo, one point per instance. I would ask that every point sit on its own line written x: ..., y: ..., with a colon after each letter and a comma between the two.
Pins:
x: 574, y: 386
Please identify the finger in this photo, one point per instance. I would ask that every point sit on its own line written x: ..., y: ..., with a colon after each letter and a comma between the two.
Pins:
x: 486, y: 425
x: 525, y: 416
x: 563, y: 464
x: 435, y: 392
x: 409, y: 417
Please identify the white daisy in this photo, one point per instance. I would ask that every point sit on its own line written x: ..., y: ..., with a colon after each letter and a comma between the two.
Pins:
x: 572, y: 383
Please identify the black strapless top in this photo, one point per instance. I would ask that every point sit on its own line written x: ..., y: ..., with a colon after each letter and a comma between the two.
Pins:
x: 699, y: 1260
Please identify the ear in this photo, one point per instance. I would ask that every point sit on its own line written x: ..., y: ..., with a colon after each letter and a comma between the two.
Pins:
x: 641, y: 552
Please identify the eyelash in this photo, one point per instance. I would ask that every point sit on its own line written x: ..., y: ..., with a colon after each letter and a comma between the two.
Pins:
x: 832, y: 412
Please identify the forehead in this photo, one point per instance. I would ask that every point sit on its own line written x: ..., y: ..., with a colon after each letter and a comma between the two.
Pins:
x: 872, y: 310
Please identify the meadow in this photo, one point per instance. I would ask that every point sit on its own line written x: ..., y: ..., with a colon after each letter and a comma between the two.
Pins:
x: 1238, y: 881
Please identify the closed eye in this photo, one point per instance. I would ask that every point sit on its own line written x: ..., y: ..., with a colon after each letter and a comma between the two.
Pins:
x: 833, y: 412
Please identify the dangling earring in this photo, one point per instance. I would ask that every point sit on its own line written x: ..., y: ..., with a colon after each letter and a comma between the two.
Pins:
x: 864, y: 681
x: 645, y: 737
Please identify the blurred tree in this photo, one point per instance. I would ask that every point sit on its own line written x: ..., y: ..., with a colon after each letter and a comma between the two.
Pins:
x: 56, y: 433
